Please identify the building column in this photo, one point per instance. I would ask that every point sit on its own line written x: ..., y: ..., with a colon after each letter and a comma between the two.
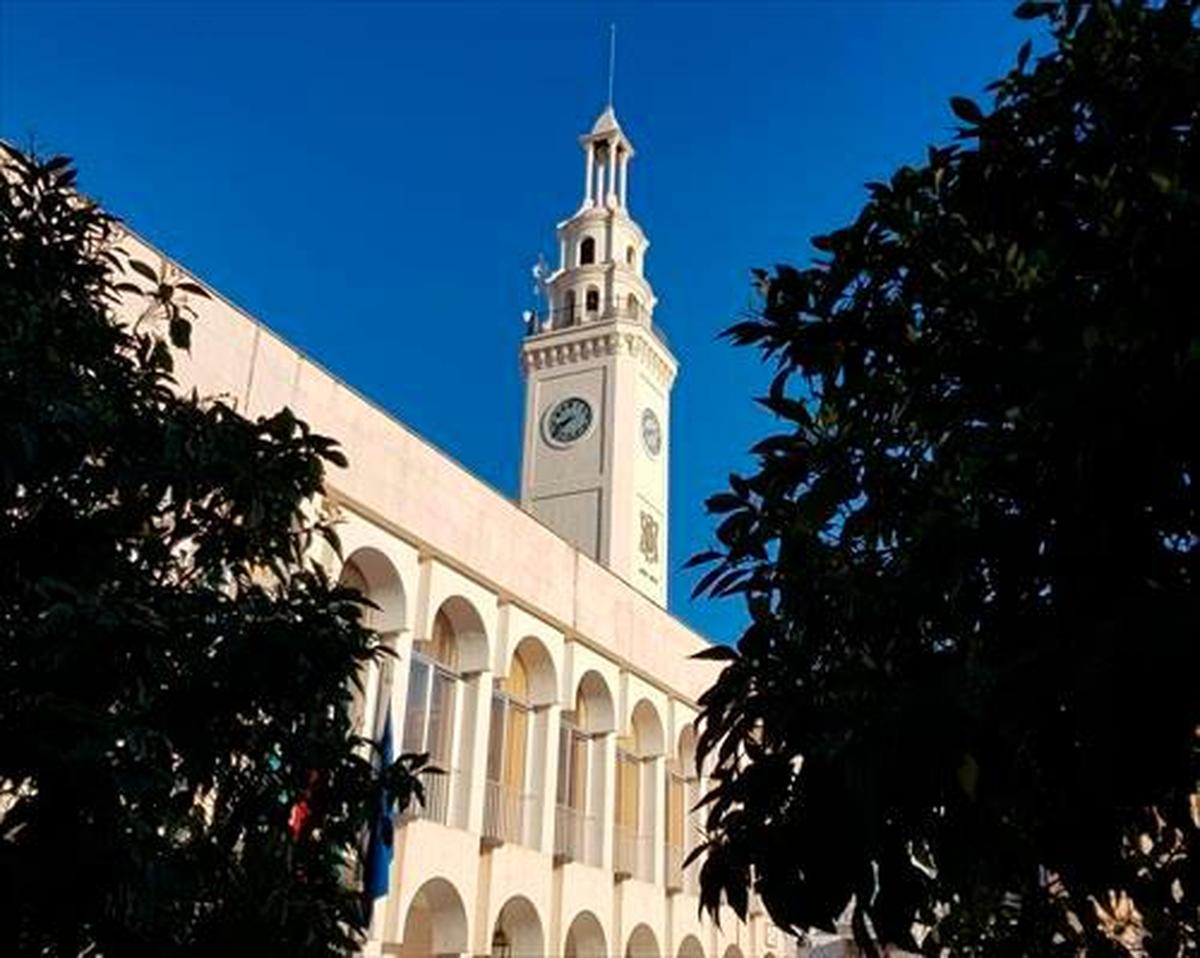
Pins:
x: 607, y: 744
x: 658, y: 775
x: 625, y: 179
x: 552, y: 715
x: 472, y: 752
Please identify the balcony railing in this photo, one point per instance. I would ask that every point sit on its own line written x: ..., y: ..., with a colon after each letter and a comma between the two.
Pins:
x: 624, y: 850
x: 674, y: 857
x: 504, y: 813
x: 569, y: 834
x: 644, y: 862
x: 633, y: 854
x: 565, y: 317
x: 577, y: 837
x: 437, y: 798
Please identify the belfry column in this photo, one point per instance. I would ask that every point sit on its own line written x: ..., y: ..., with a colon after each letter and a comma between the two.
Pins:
x: 587, y: 179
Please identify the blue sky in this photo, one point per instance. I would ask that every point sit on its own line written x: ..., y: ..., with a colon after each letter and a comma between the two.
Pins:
x: 374, y: 180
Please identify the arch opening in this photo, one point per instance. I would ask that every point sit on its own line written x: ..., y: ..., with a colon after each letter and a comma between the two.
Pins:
x: 517, y: 932
x: 517, y: 746
x: 579, y: 797
x: 690, y: 947
x: 540, y: 674
x: 436, y: 922
x: 683, y: 794
x: 587, y: 251
x: 642, y: 943
x: 457, y: 646
x: 371, y: 572
x: 648, y: 737
x: 585, y: 938
x: 594, y: 712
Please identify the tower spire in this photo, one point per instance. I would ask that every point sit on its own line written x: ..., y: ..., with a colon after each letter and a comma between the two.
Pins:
x: 612, y: 60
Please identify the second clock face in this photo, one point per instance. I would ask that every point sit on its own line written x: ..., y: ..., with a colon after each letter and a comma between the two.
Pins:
x: 568, y: 421
x: 651, y: 432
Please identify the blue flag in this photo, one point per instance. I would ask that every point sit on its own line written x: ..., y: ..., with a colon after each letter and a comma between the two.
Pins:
x: 379, y: 847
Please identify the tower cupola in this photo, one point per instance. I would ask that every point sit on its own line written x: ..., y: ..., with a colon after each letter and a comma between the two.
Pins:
x: 601, y: 249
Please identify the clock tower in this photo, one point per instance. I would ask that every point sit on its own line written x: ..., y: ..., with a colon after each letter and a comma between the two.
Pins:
x: 598, y: 377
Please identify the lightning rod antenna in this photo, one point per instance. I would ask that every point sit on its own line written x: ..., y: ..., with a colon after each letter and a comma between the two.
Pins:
x: 612, y: 59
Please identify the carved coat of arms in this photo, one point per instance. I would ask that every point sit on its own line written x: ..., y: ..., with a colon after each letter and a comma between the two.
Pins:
x: 649, y: 541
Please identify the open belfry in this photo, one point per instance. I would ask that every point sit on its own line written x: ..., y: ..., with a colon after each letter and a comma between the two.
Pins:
x: 535, y: 659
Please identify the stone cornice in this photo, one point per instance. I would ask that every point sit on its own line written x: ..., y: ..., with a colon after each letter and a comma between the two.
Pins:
x: 583, y: 344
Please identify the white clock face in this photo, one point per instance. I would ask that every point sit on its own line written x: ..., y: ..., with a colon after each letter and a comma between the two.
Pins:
x: 651, y: 432
x: 568, y: 421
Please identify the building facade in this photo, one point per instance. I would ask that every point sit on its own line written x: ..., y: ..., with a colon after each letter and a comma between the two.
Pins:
x: 535, y: 660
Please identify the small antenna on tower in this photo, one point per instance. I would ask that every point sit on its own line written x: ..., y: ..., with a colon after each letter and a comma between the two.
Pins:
x: 612, y: 59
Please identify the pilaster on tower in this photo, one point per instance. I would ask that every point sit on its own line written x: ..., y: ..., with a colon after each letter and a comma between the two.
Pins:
x: 598, y: 381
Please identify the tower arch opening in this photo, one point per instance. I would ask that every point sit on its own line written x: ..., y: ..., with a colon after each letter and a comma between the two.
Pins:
x: 587, y: 251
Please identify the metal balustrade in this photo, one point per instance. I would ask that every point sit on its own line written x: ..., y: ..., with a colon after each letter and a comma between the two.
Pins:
x: 532, y: 830
x: 577, y: 837
x: 594, y: 853
x: 674, y: 859
x: 633, y: 854
x: 644, y: 862
x: 564, y: 317
x: 436, y: 808
x: 624, y: 851
x: 569, y: 834
x: 503, y: 813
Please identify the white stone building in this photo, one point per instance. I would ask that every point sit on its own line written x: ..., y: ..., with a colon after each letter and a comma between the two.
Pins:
x: 535, y: 659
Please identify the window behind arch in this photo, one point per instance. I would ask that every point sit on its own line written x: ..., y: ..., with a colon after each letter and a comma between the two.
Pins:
x: 592, y: 300
x: 432, y: 683
x: 635, y: 307
x: 587, y: 251
x: 507, y: 744
x: 630, y: 254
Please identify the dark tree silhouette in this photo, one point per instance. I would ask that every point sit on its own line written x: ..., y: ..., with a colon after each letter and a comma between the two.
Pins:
x: 970, y: 694
x: 175, y: 671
